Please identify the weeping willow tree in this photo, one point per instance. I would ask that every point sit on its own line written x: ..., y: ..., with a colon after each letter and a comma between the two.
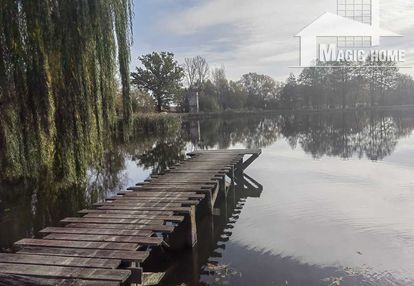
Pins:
x: 59, y: 61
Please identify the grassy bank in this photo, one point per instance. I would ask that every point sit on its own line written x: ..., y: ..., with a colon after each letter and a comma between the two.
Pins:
x: 156, y: 122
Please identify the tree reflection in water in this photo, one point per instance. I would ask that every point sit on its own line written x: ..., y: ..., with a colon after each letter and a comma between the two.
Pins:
x: 373, y: 135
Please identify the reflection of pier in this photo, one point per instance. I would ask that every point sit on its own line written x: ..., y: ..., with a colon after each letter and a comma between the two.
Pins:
x: 115, y: 243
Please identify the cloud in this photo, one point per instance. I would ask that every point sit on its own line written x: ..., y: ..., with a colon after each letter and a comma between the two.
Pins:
x: 245, y: 35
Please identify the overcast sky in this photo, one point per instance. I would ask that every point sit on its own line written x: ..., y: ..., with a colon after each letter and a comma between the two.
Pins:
x: 248, y: 35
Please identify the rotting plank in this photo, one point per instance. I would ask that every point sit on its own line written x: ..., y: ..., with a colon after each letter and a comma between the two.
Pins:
x: 119, y: 232
x: 76, y: 244
x: 18, y: 258
x: 65, y: 272
x: 151, y: 241
x: 128, y: 256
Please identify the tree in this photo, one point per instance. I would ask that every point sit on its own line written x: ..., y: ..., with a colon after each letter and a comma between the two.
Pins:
x: 288, y: 96
x: 58, y: 64
x: 260, y: 89
x: 161, y: 75
x: 196, y: 71
x: 221, y: 85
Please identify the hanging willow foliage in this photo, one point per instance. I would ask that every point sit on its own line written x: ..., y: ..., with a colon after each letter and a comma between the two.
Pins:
x: 58, y: 64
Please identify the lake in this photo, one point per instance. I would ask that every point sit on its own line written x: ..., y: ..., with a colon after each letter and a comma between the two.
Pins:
x: 336, y: 207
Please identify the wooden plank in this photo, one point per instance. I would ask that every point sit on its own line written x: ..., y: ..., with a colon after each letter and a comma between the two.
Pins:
x: 137, y: 212
x: 128, y: 256
x: 119, y: 232
x: 174, y: 209
x: 154, y: 203
x: 211, y: 172
x: 151, y: 241
x: 155, y: 194
x: 226, y: 151
x: 172, y: 218
x: 155, y: 228
x: 19, y: 280
x: 168, y: 189
x: 65, y: 272
x: 180, y: 182
x: 18, y: 258
x: 76, y: 244
x: 176, y: 200
x: 111, y: 220
x: 141, y: 204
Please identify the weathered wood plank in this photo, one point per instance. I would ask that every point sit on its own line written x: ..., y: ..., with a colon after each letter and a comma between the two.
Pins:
x: 201, y: 189
x: 154, y: 203
x: 183, y: 182
x: 160, y: 194
x: 128, y: 216
x: 119, y: 232
x: 136, y: 212
x: 134, y: 200
x: 18, y: 258
x: 111, y: 220
x: 65, y: 272
x: 128, y: 256
x: 225, y: 151
x: 151, y: 241
x: 76, y: 244
x: 141, y: 204
x: 155, y: 228
x: 20, y: 280
x: 120, y: 207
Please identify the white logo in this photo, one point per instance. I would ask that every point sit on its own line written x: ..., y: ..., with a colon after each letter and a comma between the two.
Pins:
x: 351, y: 35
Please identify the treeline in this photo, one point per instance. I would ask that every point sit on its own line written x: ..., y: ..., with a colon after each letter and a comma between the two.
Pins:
x: 330, y: 87
x: 313, y: 89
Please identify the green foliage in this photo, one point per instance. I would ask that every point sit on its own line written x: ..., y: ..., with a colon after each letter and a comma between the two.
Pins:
x: 161, y: 75
x: 57, y: 79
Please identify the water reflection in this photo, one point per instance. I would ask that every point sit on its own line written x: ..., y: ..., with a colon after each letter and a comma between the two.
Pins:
x: 325, y: 200
x: 342, y: 134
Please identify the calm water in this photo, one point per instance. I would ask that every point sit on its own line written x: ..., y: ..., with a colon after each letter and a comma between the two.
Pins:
x: 337, y: 205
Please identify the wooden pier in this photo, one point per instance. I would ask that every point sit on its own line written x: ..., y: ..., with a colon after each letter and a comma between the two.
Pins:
x: 108, y: 244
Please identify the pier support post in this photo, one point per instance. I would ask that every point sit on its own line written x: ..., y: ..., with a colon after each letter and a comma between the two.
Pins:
x: 185, y: 234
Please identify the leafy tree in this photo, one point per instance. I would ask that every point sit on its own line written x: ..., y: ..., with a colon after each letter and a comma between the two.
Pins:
x: 161, y: 75
x: 289, y: 93
x: 260, y: 88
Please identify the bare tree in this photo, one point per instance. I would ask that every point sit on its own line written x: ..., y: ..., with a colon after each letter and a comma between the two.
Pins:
x: 196, y: 70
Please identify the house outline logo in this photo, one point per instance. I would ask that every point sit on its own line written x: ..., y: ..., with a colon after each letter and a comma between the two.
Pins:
x: 330, y: 25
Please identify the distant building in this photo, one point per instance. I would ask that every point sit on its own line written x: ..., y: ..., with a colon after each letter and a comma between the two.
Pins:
x: 193, y: 102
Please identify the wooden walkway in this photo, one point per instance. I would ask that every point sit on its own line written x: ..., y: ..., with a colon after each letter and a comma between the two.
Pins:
x: 108, y: 244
